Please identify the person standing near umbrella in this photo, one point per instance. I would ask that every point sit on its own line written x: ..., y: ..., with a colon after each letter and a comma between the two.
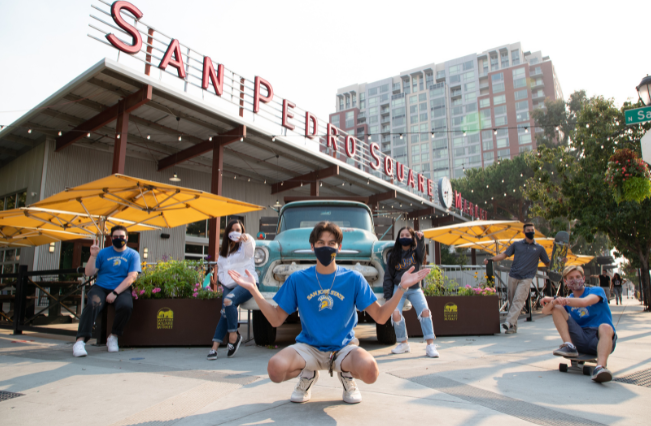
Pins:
x: 236, y: 254
x: 117, y: 267
x: 525, y: 265
x: 408, y: 251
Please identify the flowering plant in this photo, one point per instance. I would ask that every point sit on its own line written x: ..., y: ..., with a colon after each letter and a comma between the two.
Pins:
x: 628, y: 176
x: 438, y: 284
x: 172, y: 279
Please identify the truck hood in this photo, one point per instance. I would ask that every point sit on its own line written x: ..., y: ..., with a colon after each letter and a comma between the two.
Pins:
x: 295, y: 244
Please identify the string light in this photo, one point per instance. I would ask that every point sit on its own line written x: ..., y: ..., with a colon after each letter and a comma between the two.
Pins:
x: 242, y: 139
x: 180, y: 138
x: 433, y: 135
x: 494, y: 131
x: 149, y: 137
x: 526, y: 130
x: 118, y: 136
x: 88, y: 135
x: 29, y: 131
x: 369, y: 137
x: 401, y: 136
x: 273, y: 139
x: 209, y: 138
x: 320, y: 183
x: 59, y: 132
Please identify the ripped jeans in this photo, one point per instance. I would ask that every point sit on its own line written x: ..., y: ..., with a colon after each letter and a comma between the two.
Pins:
x: 228, y: 321
x: 417, y: 299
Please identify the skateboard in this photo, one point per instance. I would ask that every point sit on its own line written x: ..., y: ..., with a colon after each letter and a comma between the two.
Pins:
x: 559, y: 252
x: 578, y: 364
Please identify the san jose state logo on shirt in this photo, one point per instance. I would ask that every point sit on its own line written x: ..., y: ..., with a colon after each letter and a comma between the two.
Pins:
x: 116, y: 262
x: 581, y: 312
x: 325, y: 302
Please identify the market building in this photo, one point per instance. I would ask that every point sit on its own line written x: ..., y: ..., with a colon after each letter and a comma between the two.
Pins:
x: 167, y: 113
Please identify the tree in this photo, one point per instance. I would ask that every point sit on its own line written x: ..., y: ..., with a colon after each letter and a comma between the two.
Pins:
x: 498, y: 187
x: 558, y: 119
x: 451, y: 256
x: 569, y: 183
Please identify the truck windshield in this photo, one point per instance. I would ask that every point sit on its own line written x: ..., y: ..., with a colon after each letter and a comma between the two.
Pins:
x: 308, y: 216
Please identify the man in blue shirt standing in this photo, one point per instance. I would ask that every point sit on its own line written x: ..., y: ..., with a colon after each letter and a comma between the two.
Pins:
x: 117, y: 268
x: 326, y: 297
x: 525, y: 265
x: 584, y: 322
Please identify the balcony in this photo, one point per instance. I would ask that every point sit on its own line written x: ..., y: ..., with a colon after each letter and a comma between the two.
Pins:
x: 537, y: 83
x: 386, y: 120
x: 386, y: 129
x: 385, y: 111
x: 361, y: 120
x: 455, y: 93
x: 396, y: 87
x: 535, y: 73
x: 483, y: 85
x: 538, y: 94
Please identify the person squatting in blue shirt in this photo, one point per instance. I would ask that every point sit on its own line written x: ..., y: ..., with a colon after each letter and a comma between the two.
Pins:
x: 584, y: 322
x: 326, y: 297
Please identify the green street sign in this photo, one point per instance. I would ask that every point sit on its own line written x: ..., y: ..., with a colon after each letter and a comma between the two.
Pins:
x: 639, y: 115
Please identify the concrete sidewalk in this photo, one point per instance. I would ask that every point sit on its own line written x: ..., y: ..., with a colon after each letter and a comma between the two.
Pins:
x: 506, y: 380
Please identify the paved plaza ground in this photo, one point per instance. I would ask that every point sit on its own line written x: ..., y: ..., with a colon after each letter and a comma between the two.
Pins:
x: 501, y: 379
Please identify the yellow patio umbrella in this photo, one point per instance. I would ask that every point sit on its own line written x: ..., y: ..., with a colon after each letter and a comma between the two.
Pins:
x: 578, y: 259
x: 11, y: 236
x: 137, y: 204
x: 481, y: 231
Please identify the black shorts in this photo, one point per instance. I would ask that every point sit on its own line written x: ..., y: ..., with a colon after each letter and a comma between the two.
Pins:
x: 586, y: 339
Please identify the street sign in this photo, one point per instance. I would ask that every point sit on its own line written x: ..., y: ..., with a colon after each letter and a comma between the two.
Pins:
x: 639, y: 115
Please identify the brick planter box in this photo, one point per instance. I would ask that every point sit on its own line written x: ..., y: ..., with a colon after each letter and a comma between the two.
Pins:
x: 170, y: 322
x: 458, y: 316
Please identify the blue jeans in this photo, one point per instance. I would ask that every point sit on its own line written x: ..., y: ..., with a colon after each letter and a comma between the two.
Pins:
x: 417, y: 299
x: 228, y: 321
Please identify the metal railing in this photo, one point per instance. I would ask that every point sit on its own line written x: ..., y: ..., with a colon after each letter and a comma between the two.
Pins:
x: 48, y: 283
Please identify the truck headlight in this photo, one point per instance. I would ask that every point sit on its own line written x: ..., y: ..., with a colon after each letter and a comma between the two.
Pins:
x: 260, y: 256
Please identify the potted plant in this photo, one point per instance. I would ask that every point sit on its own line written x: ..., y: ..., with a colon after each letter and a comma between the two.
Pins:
x: 457, y: 311
x: 170, y: 307
x: 628, y: 176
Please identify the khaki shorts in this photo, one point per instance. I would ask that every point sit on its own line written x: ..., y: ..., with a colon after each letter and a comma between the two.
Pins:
x: 319, y: 360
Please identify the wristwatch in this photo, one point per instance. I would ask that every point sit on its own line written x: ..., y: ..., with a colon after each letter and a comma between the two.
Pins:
x: 401, y: 288
x: 116, y: 293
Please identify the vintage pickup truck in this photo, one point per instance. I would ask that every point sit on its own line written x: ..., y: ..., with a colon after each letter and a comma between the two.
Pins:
x: 290, y: 251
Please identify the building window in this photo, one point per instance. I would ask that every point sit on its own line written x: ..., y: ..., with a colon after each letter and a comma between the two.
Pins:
x: 520, y: 94
x: 334, y: 120
x: 350, y: 119
x: 503, y: 154
x: 487, y: 145
x: 13, y: 201
x: 496, y: 78
x: 384, y: 88
x: 489, y: 156
x: 522, y: 116
x: 484, y: 103
x: 522, y: 106
x: 519, y: 82
x: 524, y: 138
x: 498, y: 100
x: 525, y: 148
x: 515, y: 56
x: 455, y: 69
x: 498, y: 87
x: 9, y: 261
x: 372, y: 92
x: 469, y: 87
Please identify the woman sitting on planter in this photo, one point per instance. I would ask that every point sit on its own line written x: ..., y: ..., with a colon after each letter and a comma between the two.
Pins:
x: 408, y: 251
x: 235, y: 254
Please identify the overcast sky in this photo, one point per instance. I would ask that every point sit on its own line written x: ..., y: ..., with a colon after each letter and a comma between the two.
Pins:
x: 308, y: 49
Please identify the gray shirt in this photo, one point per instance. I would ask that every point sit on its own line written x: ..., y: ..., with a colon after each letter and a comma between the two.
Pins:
x: 525, y: 262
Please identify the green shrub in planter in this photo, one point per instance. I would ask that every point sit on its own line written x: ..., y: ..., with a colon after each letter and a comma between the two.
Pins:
x: 173, y: 279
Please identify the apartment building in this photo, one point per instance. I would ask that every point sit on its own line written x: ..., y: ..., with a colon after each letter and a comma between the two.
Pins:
x: 442, y: 119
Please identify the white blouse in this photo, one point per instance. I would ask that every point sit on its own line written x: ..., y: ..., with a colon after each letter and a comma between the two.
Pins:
x: 239, y: 261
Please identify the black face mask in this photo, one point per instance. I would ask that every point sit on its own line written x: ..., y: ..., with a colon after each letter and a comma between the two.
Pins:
x: 406, y: 241
x: 325, y: 255
x: 529, y: 235
x: 119, y: 242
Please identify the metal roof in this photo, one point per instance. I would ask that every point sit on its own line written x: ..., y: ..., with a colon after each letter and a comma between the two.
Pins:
x: 258, y: 157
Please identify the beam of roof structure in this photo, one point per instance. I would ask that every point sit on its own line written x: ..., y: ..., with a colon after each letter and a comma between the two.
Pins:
x: 308, y: 178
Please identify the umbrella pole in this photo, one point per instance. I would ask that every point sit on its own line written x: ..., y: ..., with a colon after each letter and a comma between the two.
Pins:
x: 102, y: 232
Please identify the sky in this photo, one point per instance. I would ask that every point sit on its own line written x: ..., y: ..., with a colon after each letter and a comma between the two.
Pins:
x: 307, y: 50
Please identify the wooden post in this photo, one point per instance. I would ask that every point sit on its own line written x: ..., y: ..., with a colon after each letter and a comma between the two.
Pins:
x: 437, y: 253
x: 473, y: 255
x: 120, y: 145
x: 314, y: 188
x: 215, y: 188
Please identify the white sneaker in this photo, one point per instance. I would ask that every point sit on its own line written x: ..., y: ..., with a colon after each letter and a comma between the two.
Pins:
x: 303, y: 390
x: 430, y: 351
x: 112, y: 344
x: 79, y: 349
x: 401, y: 348
x: 351, y: 395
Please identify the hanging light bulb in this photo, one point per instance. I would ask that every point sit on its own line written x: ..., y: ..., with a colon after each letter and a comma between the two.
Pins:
x: 526, y: 130
x: 282, y: 183
x: 148, y: 137
x: 273, y: 139
x: 401, y: 136
x: 277, y: 205
x: 587, y: 126
x: 521, y: 175
x: 301, y: 183
x: 320, y: 183
x: 180, y: 138
x: 342, y: 183
x: 209, y: 138
x: 494, y: 131
x: 118, y: 136
x: 242, y: 139
x: 265, y: 181
x: 369, y: 137
x: 88, y: 135
x: 175, y: 178
x: 557, y: 128
x: 249, y: 180
x: 235, y: 177
x: 464, y: 133
x: 29, y: 131
x: 433, y: 134
x: 59, y: 132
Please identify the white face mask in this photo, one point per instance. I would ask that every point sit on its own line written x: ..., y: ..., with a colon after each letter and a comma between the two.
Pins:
x: 235, y: 236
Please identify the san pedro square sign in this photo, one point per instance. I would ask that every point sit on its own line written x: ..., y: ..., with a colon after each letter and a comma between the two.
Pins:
x: 215, y: 75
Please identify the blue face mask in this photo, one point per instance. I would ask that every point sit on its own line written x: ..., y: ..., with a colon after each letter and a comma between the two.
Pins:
x: 325, y: 254
x: 405, y: 241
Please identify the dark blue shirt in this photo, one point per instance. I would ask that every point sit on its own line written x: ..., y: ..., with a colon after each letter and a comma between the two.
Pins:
x: 525, y: 262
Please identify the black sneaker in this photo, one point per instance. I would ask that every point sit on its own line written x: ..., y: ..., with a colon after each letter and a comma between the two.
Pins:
x: 512, y: 329
x: 212, y: 355
x: 601, y: 374
x: 233, y: 347
x: 566, y: 350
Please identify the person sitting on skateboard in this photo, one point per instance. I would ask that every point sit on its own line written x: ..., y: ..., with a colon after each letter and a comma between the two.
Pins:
x: 584, y: 322
x: 326, y: 297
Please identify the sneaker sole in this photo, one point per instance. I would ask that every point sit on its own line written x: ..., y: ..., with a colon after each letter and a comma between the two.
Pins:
x: 398, y: 353
x: 79, y: 356
x: 350, y: 401
x: 603, y: 377
x: 211, y: 358
x: 300, y: 402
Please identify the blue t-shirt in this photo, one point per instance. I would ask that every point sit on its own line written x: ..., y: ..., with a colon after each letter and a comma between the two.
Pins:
x: 327, y: 317
x: 594, y: 315
x: 113, y: 266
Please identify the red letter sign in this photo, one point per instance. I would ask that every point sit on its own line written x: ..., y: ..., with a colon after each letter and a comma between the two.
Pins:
x: 116, y: 8
x: 351, y: 147
x: 257, y: 97
x: 173, y: 49
x: 458, y: 201
x: 287, y: 114
x: 388, y: 166
x: 421, y: 183
x: 400, y: 171
x: 410, y: 179
x: 209, y: 74
x: 430, y: 189
x: 332, y: 137
x: 315, y: 122
x: 374, y: 147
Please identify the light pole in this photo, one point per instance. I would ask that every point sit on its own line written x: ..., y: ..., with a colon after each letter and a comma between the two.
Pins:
x: 644, y: 90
